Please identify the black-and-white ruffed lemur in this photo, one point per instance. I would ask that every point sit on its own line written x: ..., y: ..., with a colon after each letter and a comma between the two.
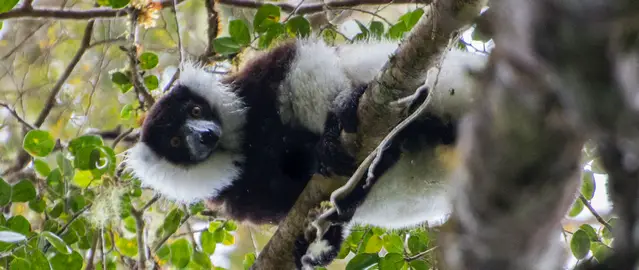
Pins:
x: 249, y: 142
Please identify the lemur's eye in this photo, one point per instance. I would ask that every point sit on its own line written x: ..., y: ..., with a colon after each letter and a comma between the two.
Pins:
x: 175, y: 141
x: 196, y: 111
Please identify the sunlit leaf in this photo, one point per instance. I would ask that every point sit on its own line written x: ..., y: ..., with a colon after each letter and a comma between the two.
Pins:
x: 56, y: 242
x: 374, y: 244
x: 149, y: 60
x: 266, y: 16
x: 229, y: 239
x: 41, y: 167
x: 249, y: 260
x: 411, y: 18
x: 229, y: 225
x: 273, y: 31
x: 576, y: 209
x: 128, y: 247
x: 151, y: 82
x: 38, y: 143
x: 600, y: 251
x: 393, y: 243
x: 181, y: 253
x: 6, y: 5
x: 202, y: 260
x: 208, y: 242
x: 397, y: 31
x: 588, y: 184
x: 580, y: 244
x: 126, y: 112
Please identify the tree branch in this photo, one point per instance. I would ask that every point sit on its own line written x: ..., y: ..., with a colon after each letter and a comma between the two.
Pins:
x: 594, y: 213
x: 16, y: 116
x: 318, y: 7
x: 413, y: 56
x: 27, y: 11
x: 132, y: 53
x: 212, y: 31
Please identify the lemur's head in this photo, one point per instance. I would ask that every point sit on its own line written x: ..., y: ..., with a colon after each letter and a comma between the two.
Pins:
x: 191, y: 138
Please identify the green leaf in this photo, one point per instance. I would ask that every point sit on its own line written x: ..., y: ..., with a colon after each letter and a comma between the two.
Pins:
x: 149, y: 60
x: 65, y: 165
x: 226, y: 46
x: 118, y: 3
x: 202, y: 259
x: 38, y: 205
x: 590, y: 231
x: 172, y: 221
x: 391, y: 261
x: 266, y: 16
x: 23, y: 191
x: 377, y: 29
x: 38, y: 143
x: 128, y: 247
x: 152, y: 82
x: 240, y: 32
x: 329, y: 35
x: 56, y: 210
x: 124, y: 88
x: 39, y: 261
x: 605, y: 233
x: 54, y: 181
x: 61, y: 261
x: 600, y: 251
x: 298, y: 26
x: 41, y: 167
x: 397, y: 31
x: 164, y: 252
x: 229, y: 239
x: 580, y: 244
x: 19, y: 224
x: 218, y: 235
x: 374, y: 244
x: 20, y: 264
x: 480, y: 36
x: 214, y: 225
x: 56, y: 242
x: 5, y: 192
x: 120, y: 78
x: 249, y: 260
x: 195, y: 208
x: 393, y: 243
x: 11, y: 237
x: 208, y: 242
x: 419, y: 265
x: 273, y: 31
x: 126, y: 112
x: 129, y: 224
x: 181, y: 253
x: 230, y: 226
x: 417, y: 243
x: 411, y: 18
x: 344, y: 250
x: 588, y: 184
x: 362, y: 261
x: 577, y: 207
x: 86, y: 141
x: 362, y: 28
x: 6, y: 5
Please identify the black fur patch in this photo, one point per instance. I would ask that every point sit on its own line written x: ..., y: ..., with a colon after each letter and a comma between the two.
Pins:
x: 279, y: 159
x: 165, y: 121
x: 332, y: 155
x: 347, y: 112
x: 334, y: 236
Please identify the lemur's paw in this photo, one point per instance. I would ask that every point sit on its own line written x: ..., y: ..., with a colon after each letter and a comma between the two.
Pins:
x: 323, y: 251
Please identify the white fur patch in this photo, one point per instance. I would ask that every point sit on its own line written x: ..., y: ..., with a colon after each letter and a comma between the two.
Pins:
x: 410, y: 193
x: 314, y: 80
x: 316, y: 248
x: 178, y: 183
x: 230, y: 107
x: 204, y: 180
x: 363, y: 60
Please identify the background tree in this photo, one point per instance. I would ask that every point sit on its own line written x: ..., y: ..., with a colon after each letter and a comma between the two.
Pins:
x: 77, y: 77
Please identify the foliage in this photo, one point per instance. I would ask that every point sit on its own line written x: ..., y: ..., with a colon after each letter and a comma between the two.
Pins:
x: 76, y: 199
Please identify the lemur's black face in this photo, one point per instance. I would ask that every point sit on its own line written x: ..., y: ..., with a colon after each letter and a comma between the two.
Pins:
x: 182, y: 127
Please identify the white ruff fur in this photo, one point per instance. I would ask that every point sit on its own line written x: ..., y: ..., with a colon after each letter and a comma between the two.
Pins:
x: 314, y: 80
x: 206, y: 179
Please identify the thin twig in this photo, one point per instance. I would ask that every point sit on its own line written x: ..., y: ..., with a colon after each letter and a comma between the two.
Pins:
x: 316, y: 7
x: 211, y: 32
x: 132, y: 52
x: 161, y: 242
x: 107, y: 41
x: 419, y: 255
x: 370, y: 13
x: 17, y: 117
x: 138, y: 215
x: 594, y: 212
x: 120, y: 137
x: 70, y: 14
